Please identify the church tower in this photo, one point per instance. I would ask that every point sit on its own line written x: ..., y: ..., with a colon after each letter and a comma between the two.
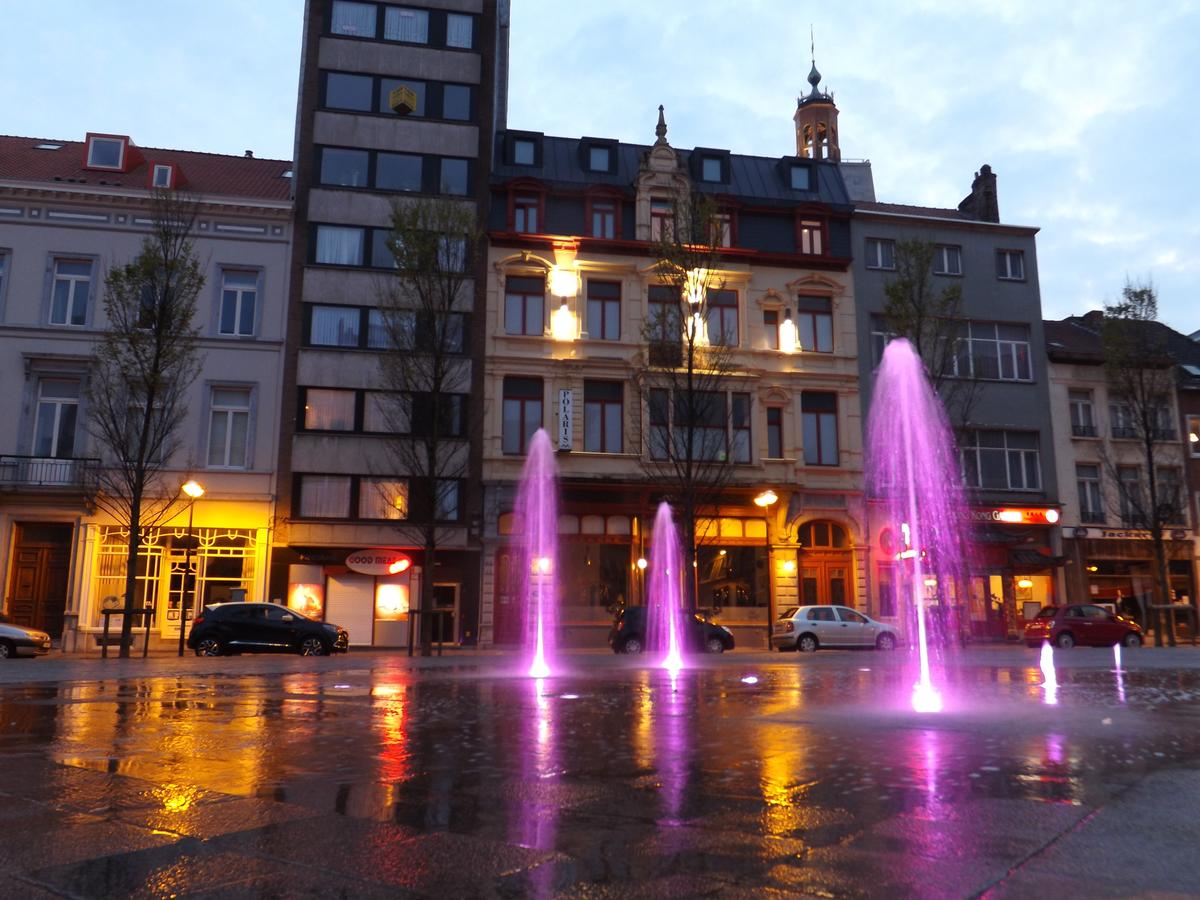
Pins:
x: 816, y: 122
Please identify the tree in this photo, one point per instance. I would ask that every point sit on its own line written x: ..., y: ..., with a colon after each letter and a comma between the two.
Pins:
x: 686, y: 371
x: 1141, y: 382
x: 141, y: 370
x: 932, y: 322
x: 427, y: 376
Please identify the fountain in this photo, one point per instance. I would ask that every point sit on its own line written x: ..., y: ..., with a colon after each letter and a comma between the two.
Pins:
x: 664, y: 592
x: 1049, y: 678
x: 537, y: 521
x: 914, y: 475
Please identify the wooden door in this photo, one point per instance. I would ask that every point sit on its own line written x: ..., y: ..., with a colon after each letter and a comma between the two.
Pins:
x: 38, y: 577
x: 506, y: 612
x: 825, y: 581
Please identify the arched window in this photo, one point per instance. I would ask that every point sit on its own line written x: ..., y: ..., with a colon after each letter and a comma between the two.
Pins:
x: 822, y: 535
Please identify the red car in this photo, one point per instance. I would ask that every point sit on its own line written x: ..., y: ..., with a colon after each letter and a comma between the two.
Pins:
x: 1081, y: 623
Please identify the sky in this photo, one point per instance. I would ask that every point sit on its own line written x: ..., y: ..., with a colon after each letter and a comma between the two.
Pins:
x: 1086, y: 111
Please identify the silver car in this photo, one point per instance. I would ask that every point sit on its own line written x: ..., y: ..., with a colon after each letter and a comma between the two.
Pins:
x: 16, y: 640
x: 806, y: 628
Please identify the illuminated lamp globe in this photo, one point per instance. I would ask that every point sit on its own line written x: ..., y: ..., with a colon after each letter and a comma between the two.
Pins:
x: 193, y: 489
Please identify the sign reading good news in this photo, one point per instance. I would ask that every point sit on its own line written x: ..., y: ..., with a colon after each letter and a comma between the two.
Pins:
x: 566, y: 401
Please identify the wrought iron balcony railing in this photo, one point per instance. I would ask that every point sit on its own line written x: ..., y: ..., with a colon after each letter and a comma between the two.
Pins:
x: 49, y: 472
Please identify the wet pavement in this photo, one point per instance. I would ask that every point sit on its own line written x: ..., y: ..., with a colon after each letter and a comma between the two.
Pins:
x: 372, y: 775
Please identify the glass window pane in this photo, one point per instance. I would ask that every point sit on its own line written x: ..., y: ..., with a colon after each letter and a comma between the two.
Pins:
x: 514, y: 308
x: 239, y: 423
x: 339, y: 246
x: 459, y: 31
x: 829, y: 449
x: 246, y: 323
x: 598, y: 159
x: 231, y: 398
x: 523, y: 153
x: 612, y: 428
x: 325, y: 496
x: 334, y: 326
x: 382, y: 498
x: 387, y: 85
x: 824, y: 337
x: 381, y: 254
x: 456, y: 102
x: 354, y: 19
x: 453, y: 177
x: 799, y: 178
x: 217, y: 436
x: 511, y: 438
x: 348, y: 91
x: 401, y: 24
x: 378, y: 337
x: 592, y: 420
x: 398, y: 172
x: 812, y: 445
x: 386, y: 412
x: 345, y: 168
x: 329, y: 410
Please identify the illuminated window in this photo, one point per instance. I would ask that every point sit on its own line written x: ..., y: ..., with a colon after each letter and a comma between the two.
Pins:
x: 771, y: 328
x: 328, y: 409
x: 382, y: 498
x: 811, y: 241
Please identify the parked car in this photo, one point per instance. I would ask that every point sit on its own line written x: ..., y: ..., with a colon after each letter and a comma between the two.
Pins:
x: 263, y: 628
x: 1081, y: 623
x: 17, y: 640
x: 628, y: 634
x: 808, y: 628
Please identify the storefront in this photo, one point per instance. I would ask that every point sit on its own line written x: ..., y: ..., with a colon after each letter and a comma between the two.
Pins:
x: 1116, y: 566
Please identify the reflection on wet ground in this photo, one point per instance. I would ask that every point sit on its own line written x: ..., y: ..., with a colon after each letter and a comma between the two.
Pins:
x: 367, y: 776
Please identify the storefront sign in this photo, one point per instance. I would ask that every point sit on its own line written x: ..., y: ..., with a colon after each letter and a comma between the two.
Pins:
x: 1133, y: 534
x: 378, y: 561
x: 1014, y: 515
x: 566, y: 403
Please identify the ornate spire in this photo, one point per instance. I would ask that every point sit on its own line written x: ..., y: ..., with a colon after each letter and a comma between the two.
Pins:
x: 660, y: 130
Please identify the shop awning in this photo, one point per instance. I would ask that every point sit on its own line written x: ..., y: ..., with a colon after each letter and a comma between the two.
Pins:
x: 1032, y: 559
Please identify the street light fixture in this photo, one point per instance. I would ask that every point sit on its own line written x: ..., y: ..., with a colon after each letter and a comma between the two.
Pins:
x: 764, y: 501
x: 194, y: 490
x: 766, y: 498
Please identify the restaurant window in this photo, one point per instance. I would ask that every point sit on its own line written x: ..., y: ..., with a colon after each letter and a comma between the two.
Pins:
x: 775, y: 432
x: 820, y: 432
x: 522, y: 413
x: 524, y: 304
x: 731, y: 577
x: 603, y: 415
x: 604, y: 310
x: 722, y: 318
x: 814, y: 323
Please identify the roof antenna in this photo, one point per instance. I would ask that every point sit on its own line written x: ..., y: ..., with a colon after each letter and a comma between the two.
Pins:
x: 812, y: 44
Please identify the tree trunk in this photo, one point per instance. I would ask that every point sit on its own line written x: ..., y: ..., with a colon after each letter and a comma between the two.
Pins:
x: 131, y: 560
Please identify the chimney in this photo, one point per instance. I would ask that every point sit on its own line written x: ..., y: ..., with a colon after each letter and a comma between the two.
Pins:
x: 982, y: 203
x: 250, y: 155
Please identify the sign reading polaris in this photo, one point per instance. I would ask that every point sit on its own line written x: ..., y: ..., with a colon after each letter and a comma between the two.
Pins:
x: 378, y: 561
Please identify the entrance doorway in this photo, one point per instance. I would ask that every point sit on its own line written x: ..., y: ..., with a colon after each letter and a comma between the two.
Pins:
x: 445, y: 605
x: 506, y: 610
x: 825, y: 565
x: 39, y: 575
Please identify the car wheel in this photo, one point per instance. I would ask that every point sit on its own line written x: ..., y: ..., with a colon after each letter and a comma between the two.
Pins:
x: 1133, y: 639
x: 209, y: 647
x: 313, y: 646
x: 1065, y: 640
x: 807, y: 643
x: 632, y: 645
x: 714, y: 645
x: 6, y: 650
x: 885, y: 642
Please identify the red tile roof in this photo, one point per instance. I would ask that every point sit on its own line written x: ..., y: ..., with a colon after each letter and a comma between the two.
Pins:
x: 206, y: 174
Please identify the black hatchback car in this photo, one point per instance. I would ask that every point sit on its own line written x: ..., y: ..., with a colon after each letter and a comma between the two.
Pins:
x: 628, y: 633
x: 263, y: 628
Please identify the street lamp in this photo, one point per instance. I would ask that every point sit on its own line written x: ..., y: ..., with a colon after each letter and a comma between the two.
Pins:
x: 764, y: 501
x: 194, y: 490
x: 641, y: 570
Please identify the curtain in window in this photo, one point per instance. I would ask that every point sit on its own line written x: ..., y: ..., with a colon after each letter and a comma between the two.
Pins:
x: 328, y: 410
x: 325, y: 496
x: 382, y: 498
x: 458, y: 31
x: 339, y: 246
x: 357, y: 19
x: 334, y: 326
x: 400, y: 24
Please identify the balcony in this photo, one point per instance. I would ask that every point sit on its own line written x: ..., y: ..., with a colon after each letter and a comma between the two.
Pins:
x: 1078, y: 430
x: 1124, y: 432
x: 1091, y: 516
x: 47, y: 472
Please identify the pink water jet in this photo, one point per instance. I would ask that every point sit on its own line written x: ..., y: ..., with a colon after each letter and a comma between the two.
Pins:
x: 1049, y: 677
x: 537, y: 557
x: 664, y: 592
x: 914, y: 480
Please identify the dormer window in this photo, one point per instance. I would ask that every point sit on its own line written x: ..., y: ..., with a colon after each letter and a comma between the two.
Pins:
x: 598, y: 155
x: 523, y: 153
x: 710, y: 169
x: 599, y: 159
x: 106, y: 153
x: 162, y: 177
x: 800, y: 176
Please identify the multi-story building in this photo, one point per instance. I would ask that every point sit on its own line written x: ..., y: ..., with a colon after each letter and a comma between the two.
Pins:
x: 999, y: 401
x: 69, y: 212
x: 574, y: 302
x: 1109, y: 553
x: 397, y: 102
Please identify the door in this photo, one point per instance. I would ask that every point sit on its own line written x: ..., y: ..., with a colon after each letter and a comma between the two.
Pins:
x: 445, y: 605
x: 856, y: 630
x: 350, y: 602
x: 38, y: 576
x: 824, y: 582
x: 506, y: 611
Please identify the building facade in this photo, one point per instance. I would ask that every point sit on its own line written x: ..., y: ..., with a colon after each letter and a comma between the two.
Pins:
x: 996, y: 387
x: 69, y: 212
x: 576, y: 312
x: 397, y: 103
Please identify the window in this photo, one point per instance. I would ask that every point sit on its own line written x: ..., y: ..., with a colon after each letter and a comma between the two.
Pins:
x: 524, y: 300
x: 1083, y: 419
x: 799, y: 178
x: 661, y: 219
x: 994, y: 351
x: 947, y: 260
x: 599, y: 159
x: 445, y: 503
x: 1193, y: 422
x: 353, y: 19
x: 344, y: 168
x: 822, y: 614
x: 1010, y: 265
x: 881, y: 254
x: 450, y: 418
x: 1122, y: 419
x: 1091, y: 502
x: 229, y: 428
x: 1170, y: 495
x: 408, y: 25
x: 1129, y: 486
x: 723, y: 318
x: 604, y: 218
x: 162, y: 177
x: 453, y: 177
x: 1001, y: 460
x: 382, y: 498
x: 456, y: 102
x: 334, y: 326
x: 702, y: 418
x: 722, y: 230
x: 324, y: 496
x: 810, y: 237
x: 775, y: 432
x: 523, y: 152
x: 57, y: 414
x: 387, y: 412
x: 418, y: 88
x: 353, y: 92
x: 326, y: 409
x: 69, y: 298
x: 525, y: 213
x: 814, y: 323
x: 602, y: 416
x: 819, y: 422
x: 106, y: 153
x: 664, y: 329
x: 604, y: 310
x: 710, y: 169
x: 881, y: 336
x: 239, y: 291
x: 460, y: 31
x: 660, y: 423
x: 339, y: 246
x: 522, y: 414
x: 397, y: 172
x: 739, y: 424
x: 771, y: 328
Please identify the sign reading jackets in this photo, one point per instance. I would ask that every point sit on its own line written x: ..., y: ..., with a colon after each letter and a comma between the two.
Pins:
x: 566, y: 405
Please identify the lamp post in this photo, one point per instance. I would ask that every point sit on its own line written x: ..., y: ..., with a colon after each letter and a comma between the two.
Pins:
x: 764, y: 501
x: 195, y: 491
